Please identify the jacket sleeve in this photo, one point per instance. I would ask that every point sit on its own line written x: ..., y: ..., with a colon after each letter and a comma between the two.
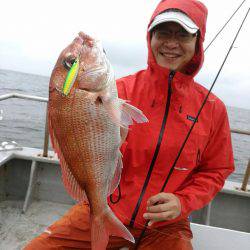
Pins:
x: 120, y: 84
x: 215, y: 165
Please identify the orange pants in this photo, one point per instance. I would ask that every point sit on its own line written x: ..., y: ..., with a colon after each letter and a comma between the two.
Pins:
x: 72, y: 231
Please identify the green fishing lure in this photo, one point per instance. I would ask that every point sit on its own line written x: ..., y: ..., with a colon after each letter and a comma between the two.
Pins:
x: 71, y: 77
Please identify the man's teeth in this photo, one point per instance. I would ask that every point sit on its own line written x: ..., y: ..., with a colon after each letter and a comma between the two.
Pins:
x: 170, y: 55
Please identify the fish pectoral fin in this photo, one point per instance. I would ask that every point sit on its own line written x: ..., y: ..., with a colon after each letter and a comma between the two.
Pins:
x: 104, y: 226
x: 135, y: 113
x: 123, y: 113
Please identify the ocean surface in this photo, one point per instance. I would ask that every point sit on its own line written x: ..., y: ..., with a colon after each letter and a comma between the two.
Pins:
x: 24, y: 121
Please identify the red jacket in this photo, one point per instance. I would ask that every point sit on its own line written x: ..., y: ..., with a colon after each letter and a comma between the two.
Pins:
x: 170, y: 105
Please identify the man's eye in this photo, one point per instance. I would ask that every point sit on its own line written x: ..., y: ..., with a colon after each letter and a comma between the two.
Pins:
x: 183, y: 34
x: 164, y: 33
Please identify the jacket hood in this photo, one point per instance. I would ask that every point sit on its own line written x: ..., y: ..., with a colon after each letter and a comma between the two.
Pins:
x: 198, y: 13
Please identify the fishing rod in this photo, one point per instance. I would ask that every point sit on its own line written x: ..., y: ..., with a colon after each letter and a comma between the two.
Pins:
x: 223, y: 26
x: 189, y: 132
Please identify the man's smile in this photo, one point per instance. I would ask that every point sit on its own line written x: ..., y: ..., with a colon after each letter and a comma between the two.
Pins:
x: 169, y: 55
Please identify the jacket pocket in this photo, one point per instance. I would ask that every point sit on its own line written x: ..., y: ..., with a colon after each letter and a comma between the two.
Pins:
x: 191, y: 154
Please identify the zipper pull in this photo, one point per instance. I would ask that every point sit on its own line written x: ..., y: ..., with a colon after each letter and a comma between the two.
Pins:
x: 171, y: 75
x: 170, y: 79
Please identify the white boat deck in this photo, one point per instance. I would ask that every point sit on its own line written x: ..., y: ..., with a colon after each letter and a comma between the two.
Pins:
x: 231, y: 187
x: 214, y: 238
x: 17, y: 228
x: 26, y: 153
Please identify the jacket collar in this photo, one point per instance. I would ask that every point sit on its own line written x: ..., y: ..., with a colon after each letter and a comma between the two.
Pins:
x: 160, y: 76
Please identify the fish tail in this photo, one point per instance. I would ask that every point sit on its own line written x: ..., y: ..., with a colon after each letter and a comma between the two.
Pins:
x: 103, y: 227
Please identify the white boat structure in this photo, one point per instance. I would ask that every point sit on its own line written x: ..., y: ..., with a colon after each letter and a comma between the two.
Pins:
x: 32, y: 196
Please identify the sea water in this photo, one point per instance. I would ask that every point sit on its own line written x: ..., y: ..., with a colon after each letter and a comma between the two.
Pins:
x: 24, y: 121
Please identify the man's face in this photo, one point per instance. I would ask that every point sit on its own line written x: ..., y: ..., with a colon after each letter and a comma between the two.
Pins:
x: 173, y: 47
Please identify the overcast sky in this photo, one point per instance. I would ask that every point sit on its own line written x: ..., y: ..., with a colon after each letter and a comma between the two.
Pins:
x: 33, y: 33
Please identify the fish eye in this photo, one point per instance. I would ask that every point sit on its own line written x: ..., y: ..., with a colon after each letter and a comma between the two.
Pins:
x: 68, y: 62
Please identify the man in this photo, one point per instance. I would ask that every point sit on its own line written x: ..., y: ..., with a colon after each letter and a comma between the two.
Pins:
x: 168, y: 95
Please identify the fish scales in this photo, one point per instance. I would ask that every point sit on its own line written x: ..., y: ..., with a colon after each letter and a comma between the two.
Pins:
x: 89, y: 145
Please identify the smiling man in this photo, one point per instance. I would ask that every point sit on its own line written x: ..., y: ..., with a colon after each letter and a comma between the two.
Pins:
x: 173, y: 46
x: 167, y: 93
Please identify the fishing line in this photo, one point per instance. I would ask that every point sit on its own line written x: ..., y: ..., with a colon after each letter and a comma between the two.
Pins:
x: 151, y: 229
x: 223, y: 27
x: 189, y: 132
x: 118, y: 198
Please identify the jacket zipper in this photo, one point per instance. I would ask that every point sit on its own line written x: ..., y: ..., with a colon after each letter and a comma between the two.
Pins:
x: 157, y: 149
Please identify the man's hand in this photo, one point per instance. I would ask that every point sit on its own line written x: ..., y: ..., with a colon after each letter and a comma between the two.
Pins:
x: 161, y: 207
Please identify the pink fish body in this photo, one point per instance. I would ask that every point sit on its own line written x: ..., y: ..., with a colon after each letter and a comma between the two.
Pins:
x: 85, y: 133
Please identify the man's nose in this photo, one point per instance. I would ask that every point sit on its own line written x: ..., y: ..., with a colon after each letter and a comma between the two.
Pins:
x: 171, y: 42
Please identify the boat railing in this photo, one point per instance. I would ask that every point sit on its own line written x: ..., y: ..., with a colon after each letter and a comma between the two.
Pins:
x: 37, y: 99
x: 46, y: 132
